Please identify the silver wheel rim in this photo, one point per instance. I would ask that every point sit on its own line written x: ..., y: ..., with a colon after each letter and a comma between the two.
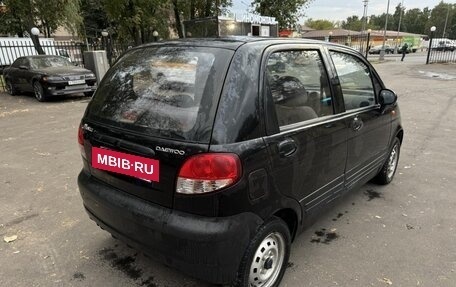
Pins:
x: 38, y: 92
x: 392, y: 162
x: 267, y: 261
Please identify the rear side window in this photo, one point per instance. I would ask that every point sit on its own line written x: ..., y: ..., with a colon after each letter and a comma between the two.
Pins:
x: 166, y: 92
x: 299, y: 86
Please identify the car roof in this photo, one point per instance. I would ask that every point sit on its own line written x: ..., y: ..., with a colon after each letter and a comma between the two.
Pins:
x: 234, y: 42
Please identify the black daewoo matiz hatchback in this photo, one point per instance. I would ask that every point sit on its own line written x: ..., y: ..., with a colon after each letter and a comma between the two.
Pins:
x: 211, y: 155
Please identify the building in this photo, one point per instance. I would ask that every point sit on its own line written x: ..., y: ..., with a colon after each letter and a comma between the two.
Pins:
x: 290, y: 33
x: 358, y: 40
x: 232, y: 25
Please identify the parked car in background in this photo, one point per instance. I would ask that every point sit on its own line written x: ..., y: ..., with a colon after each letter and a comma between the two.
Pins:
x: 443, y: 45
x: 212, y: 155
x: 377, y: 49
x: 48, y: 76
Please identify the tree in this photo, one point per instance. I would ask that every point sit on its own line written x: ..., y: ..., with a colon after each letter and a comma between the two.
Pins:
x: 47, y: 15
x: 415, y: 20
x: 377, y: 22
x: 319, y: 24
x: 287, y: 12
x: 187, y: 10
x: 393, y: 22
x: 138, y: 19
x: 353, y: 23
x: 452, y: 23
x: 94, y: 17
x: 438, y: 18
x: 13, y: 19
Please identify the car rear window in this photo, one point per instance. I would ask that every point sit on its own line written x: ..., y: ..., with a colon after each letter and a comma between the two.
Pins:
x: 168, y: 92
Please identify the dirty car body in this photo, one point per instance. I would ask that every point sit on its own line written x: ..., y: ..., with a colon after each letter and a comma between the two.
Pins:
x: 211, y: 155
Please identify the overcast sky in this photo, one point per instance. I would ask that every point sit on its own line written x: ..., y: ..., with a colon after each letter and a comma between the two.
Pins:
x: 341, y: 9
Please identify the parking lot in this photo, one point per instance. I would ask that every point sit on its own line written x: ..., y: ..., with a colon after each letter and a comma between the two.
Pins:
x: 403, y: 234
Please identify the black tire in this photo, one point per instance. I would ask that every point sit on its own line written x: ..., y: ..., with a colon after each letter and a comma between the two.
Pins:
x: 272, y: 237
x: 88, y: 94
x: 39, y: 91
x: 10, y: 89
x: 386, y: 174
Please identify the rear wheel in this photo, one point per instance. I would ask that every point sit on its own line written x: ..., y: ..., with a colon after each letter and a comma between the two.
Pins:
x: 10, y: 88
x: 39, y: 92
x: 388, y: 171
x: 265, y: 260
x: 88, y: 94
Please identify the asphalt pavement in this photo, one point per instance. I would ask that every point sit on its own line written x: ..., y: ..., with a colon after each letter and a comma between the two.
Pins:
x: 402, y: 234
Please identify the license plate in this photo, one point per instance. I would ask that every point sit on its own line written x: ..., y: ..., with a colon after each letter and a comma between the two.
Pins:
x: 76, y: 82
x: 127, y: 164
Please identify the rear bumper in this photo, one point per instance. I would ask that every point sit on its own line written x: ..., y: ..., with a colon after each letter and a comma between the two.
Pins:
x: 210, y: 249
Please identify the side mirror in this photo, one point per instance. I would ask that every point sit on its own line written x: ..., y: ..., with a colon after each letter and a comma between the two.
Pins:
x: 23, y: 67
x: 387, y: 98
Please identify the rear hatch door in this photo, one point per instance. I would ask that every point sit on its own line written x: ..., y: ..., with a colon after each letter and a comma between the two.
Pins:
x: 154, y: 109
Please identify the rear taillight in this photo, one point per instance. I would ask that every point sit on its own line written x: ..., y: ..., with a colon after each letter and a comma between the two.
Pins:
x: 208, y: 172
x: 81, y: 141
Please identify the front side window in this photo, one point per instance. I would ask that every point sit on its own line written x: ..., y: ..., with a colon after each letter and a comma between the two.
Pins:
x: 355, y: 81
x: 298, y: 84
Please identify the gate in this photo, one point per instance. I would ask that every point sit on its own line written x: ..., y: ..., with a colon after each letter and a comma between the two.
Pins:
x: 442, y: 50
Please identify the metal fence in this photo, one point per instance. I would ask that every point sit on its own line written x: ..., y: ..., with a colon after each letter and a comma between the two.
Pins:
x: 12, y: 49
x: 442, y: 55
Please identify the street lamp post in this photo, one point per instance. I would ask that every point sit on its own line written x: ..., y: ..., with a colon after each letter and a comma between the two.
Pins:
x: 382, y: 51
x: 399, y: 28
x: 330, y: 36
x: 105, y: 34
x: 363, y: 30
x: 106, y: 45
x: 433, y: 28
x: 155, y: 34
x: 368, y: 40
x: 446, y: 21
x: 36, y: 40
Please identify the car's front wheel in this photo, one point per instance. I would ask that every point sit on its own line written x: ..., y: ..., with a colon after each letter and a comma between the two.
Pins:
x: 266, y: 258
x: 10, y: 89
x: 39, y: 91
x: 388, y: 170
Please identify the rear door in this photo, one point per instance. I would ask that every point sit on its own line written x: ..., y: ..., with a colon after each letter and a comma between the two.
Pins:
x: 157, y: 104
x: 368, y: 128
x: 307, y: 139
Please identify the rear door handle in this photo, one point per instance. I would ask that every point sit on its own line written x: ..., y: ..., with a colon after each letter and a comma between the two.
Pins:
x: 357, y: 124
x: 287, y: 147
